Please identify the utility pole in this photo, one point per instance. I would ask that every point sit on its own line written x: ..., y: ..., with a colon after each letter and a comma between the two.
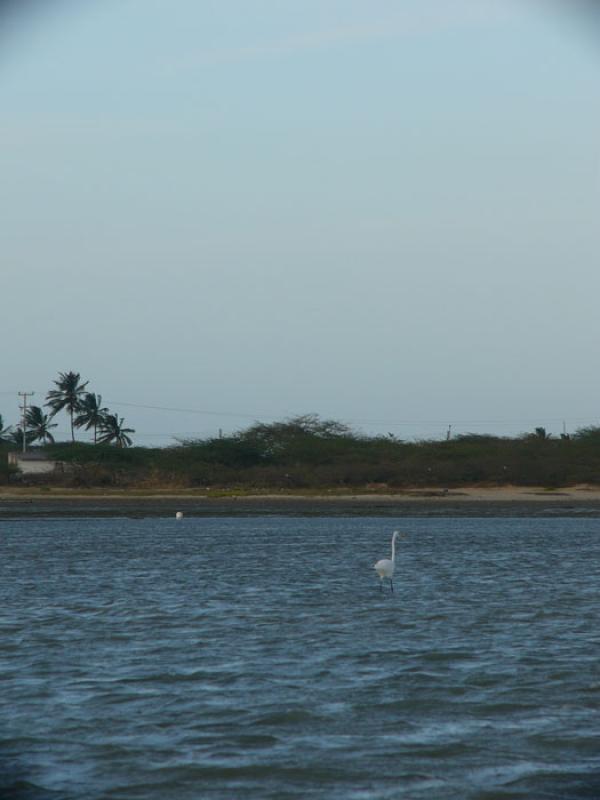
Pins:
x: 23, y: 408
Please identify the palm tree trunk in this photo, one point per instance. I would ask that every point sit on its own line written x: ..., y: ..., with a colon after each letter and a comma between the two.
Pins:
x: 72, y: 428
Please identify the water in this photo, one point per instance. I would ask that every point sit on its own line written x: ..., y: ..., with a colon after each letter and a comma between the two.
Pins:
x: 257, y: 658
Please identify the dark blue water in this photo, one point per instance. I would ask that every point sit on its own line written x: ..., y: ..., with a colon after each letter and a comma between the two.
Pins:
x: 257, y: 658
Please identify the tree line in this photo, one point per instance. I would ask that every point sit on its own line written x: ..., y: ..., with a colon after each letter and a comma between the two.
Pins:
x: 309, y: 453
x: 85, y: 411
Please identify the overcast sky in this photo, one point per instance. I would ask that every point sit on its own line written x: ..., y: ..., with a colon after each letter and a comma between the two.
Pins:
x: 385, y: 212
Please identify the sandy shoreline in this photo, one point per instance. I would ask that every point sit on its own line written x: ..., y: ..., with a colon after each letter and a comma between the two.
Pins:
x: 17, y: 503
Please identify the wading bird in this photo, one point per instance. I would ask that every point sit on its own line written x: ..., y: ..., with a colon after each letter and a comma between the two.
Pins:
x: 385, y: 567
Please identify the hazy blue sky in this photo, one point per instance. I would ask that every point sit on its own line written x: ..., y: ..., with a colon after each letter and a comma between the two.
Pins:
x: 385, y: 212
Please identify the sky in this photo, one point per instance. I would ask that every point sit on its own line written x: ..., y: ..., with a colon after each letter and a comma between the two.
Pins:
x: 383, y: 212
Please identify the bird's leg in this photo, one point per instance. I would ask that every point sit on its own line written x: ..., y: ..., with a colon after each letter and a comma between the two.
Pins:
x: 391, y: 585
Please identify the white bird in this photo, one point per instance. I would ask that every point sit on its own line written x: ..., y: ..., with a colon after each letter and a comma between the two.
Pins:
x: 179, y: 515
x: 385, y: 567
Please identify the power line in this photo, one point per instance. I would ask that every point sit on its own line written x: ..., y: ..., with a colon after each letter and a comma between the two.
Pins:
x: 355, y: 420
x: 358, y: 421
x: 352, y: 421
x: 189, y: 410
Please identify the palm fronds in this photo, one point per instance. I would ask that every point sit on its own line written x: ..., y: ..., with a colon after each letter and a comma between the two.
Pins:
x: 38, y: 425
x: 112, y: 431
x: 91, y: 414
x: 68, y: 395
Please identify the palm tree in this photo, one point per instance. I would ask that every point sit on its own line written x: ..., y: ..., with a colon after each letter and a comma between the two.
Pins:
x: 16, y: 437
x: 91, y: 414
x: 68, y: 395
x: 5, y: 433
x: 112, y: 430
x: 38, y: 425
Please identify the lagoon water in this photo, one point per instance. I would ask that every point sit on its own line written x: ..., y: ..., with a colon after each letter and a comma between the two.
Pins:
x: 257, y: 658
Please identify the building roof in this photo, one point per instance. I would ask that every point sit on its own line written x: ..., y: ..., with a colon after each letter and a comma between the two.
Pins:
x: 32, y: 455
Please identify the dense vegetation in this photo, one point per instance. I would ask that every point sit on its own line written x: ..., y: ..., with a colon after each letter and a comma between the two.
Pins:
x: 308, y: 453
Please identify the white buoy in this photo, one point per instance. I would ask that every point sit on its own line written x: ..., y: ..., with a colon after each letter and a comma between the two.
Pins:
x: 179, y: 515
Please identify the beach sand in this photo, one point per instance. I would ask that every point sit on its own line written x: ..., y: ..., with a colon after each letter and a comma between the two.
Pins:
x: 513, y: 501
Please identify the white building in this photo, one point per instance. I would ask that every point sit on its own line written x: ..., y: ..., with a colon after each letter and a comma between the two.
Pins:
x: 32, y: 463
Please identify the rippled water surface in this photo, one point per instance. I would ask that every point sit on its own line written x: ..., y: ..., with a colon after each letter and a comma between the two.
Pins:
x: 257, y: 658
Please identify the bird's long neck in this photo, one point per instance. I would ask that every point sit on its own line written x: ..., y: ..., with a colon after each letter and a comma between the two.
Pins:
x: 394, y: 547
